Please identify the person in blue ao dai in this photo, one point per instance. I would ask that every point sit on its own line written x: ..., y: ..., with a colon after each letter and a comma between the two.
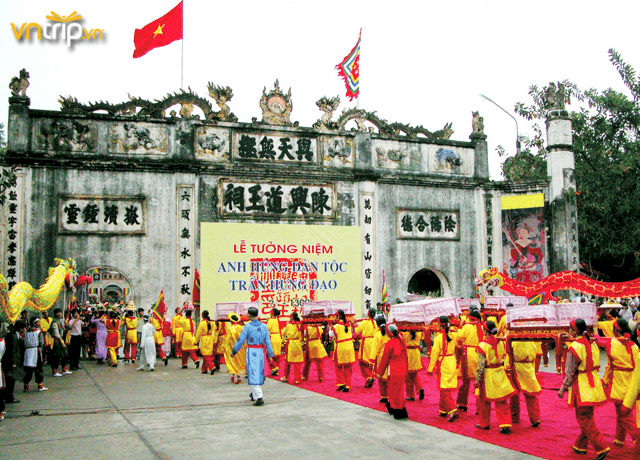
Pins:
x: 258, y: 341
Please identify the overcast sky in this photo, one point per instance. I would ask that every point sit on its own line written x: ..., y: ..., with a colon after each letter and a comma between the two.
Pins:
x: 422, y: 62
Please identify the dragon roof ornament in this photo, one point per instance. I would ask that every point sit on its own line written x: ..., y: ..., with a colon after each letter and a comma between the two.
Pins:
x: 139, y: 107
x: 276, y: 110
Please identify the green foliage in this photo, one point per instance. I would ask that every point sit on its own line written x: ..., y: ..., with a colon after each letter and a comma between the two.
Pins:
x: 525, y: 167
x: 606, y: 144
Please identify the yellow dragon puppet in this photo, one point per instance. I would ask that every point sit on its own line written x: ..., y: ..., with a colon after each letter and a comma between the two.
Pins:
x: 23, y: 296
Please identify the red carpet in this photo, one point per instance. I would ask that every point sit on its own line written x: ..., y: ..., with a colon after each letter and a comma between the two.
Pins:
x: 552, y: 440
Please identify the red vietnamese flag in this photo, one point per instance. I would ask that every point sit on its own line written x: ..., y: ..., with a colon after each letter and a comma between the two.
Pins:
x: 160, y: 32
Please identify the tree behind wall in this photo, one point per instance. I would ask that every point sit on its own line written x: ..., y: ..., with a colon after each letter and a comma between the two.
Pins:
x: 606, y: 145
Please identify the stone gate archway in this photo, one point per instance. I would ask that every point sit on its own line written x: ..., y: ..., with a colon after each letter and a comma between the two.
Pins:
x: 429, y: 282
x: 109, y: 284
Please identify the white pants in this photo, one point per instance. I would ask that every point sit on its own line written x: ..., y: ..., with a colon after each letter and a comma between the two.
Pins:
x: 147, y: 354
x: 256, y: 390
x: 166, y: 347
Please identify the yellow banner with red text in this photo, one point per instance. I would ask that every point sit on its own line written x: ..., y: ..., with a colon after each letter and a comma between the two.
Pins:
x: 279, y: 265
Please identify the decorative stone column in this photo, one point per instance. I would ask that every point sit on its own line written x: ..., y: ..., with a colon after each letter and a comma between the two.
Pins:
x: 479, y: 138
x: 562, y: 200
x: 19, y: 126
x: 481, y: 157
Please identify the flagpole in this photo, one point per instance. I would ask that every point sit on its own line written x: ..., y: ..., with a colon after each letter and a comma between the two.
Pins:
x: 182, y: 52
x: 360, y: 52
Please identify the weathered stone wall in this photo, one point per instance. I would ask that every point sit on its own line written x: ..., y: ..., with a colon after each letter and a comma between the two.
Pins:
x: 401, y: 258
x: 144, y: 163
x: 149, y: 261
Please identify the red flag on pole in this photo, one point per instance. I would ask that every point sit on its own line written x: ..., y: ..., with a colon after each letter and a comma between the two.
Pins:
x: 160, y: 308
x: 160, y: 32
x: 196, y: 290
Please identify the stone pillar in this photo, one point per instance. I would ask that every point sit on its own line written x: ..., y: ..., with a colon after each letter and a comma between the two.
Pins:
x: 364, y: 154
x: 481, y: 155
x: 19, y: 127
x: 563, y: 250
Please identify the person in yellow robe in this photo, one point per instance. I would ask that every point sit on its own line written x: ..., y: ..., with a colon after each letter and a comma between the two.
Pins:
x: 315, y: 352
x: 502, y: 324
x: 176, y: 332
x: 380, y: 339
x: 220, y: 343
x: 523, y: 374
x: 45, y: 325
x: 606, y: 326
x: 273, y: 326
x: 343, y: 352
x: 236, y: 364
x: 443, y: 363
x: 365, y: 331
x: 624, y: 358
x: 156, y: 321
x: 631, y: 398
x: 492, y: 384
x: 293, y: 356
x: 189, y: 346
x: 413, y: 383
x: 468, y: 338
x: 206, y: 336
x: 130, y: 337
x: 585, y: 389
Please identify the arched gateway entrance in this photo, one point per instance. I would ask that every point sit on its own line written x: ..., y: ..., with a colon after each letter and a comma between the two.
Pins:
x: 109, y: 284
x: 429, y: 282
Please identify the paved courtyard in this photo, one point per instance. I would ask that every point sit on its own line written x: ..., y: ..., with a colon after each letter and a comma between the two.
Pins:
x: 117, y: 413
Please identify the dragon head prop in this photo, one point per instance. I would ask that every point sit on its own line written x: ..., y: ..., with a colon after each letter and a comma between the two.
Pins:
x: 491, y: 278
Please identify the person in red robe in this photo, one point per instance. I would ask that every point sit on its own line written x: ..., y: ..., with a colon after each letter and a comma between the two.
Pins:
x: 113, y: 337
x: 396, y: 359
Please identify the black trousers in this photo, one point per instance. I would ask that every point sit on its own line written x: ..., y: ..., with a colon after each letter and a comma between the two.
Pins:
x: 29, y: 371
x: 74, y: 351
x: 9, y: 385
x: 56, y: 361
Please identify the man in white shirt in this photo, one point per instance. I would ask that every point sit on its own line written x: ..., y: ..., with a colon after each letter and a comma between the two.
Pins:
x: 147, y: 345
x: 75, y: 345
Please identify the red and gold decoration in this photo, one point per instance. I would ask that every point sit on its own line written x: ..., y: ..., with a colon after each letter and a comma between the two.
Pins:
x: 559, y: 281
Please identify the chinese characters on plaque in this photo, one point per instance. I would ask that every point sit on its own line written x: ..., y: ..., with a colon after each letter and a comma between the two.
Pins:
x: 102, y: 214
x: 277, y: 200
x: 13, y: 240
x: 186, y: 241
x: 368, y: 261
x: 427, y: 224
x: 271, y: 148
x: 488, y: 206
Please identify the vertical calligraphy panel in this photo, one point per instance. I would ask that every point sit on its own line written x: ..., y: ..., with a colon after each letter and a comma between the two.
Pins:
x: 14, y: 229
x: 185, y: 219
x: 368, y: 245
